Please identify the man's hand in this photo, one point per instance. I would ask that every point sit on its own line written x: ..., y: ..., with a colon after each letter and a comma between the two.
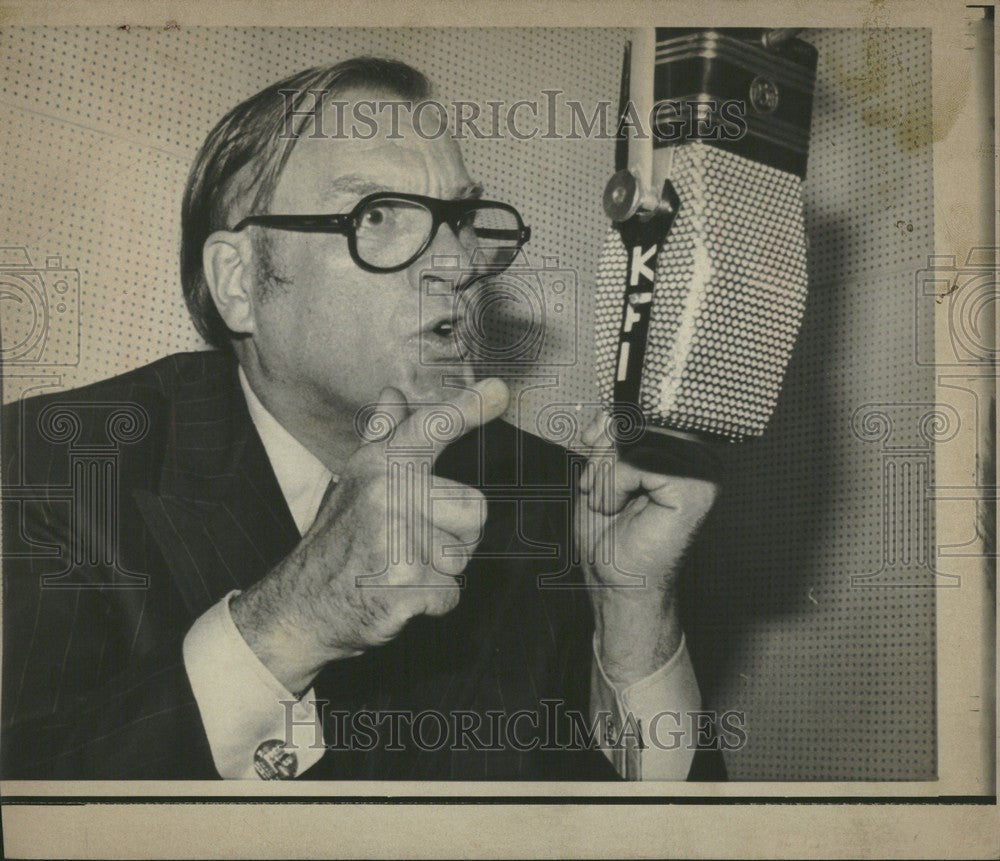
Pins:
x: 341, y: 591
x: 632, y: 528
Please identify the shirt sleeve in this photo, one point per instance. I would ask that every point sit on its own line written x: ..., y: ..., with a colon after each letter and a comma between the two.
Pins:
x: 256, y: 729
x: 650, y: 726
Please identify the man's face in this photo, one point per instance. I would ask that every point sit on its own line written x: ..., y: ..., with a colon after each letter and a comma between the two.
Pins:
x: 332, y: 333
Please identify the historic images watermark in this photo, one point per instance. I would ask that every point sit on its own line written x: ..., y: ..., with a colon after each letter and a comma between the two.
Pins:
x: 961, y: 291
x: 39, y: 321
x: 503, y: 319
x: 41, y: 308
x: 550, y: 727
x: 87, y: 441
x: 549, y: 116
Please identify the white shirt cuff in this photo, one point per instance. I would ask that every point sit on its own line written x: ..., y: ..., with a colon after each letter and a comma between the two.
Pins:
x: 256, y: 728
x: 653, y: 726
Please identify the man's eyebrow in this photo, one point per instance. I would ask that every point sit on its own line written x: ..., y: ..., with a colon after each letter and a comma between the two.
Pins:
x: 354, y: 183
x: 473, y: 191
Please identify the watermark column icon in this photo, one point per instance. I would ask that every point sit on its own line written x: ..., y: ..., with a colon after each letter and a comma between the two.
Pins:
x: 907, y: 434
x: 91, y: 494
x: 955, y: 303
x: 410, y: 482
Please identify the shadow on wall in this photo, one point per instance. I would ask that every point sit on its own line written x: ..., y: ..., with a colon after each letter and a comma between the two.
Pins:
x: 757, y: 557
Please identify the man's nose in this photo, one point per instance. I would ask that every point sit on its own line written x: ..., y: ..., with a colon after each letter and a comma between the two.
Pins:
x: 447, y: 257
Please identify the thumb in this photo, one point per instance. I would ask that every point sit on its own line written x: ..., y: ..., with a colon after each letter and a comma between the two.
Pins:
x: 379, y: 421
x: 596, y: 433
x: 435, y: 426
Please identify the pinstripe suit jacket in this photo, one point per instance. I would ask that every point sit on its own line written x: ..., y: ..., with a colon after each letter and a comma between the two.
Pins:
x: 134, y: 504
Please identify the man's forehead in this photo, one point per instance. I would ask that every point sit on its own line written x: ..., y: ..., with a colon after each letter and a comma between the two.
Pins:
x: 323, y: 169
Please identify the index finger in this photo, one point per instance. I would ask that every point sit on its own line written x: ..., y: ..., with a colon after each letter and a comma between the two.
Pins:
x: 435, y: 426
x: 597, y: 434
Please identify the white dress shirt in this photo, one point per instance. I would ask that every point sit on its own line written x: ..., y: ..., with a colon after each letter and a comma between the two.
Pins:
x: 245, y: 709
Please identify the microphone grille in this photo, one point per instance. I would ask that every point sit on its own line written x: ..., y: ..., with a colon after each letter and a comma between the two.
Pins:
x: 730, y: 291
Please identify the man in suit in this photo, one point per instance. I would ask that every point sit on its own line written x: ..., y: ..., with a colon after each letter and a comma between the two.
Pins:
x: 236, y: 563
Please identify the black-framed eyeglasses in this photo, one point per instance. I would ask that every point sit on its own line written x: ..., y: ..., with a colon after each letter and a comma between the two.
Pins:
x: 387, y: 231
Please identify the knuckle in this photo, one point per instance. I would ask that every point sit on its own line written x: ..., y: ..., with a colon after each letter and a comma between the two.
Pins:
x: 443, y: 600
x: 382, y: 615
x: 363, y: 459
x: 698, y: 495
x: 471, y: 508
x: 482, y: 514
x: 373, y: 492
x: 475, y: 498
x: 451, y: 598
x: 466, y: 509
x: 450, y: 563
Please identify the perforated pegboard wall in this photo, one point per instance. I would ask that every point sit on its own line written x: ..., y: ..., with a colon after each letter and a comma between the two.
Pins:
x: 835, y: 669
x: 100, y: 126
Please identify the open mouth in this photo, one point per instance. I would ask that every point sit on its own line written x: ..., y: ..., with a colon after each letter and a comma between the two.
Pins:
x: 441, y: 340
x: 444, y: 327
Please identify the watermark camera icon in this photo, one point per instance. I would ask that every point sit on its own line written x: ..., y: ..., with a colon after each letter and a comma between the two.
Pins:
x: 968, y: 293
x: 516, y: 316
x: 40, y: 311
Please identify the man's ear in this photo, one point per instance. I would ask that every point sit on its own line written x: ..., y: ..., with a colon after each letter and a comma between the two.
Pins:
x: 227, y: 258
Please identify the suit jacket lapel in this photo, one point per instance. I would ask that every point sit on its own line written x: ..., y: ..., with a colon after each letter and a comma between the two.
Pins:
x: 217, y: 514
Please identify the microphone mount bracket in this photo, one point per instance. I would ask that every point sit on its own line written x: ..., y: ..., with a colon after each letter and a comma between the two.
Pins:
x: 625, y: 197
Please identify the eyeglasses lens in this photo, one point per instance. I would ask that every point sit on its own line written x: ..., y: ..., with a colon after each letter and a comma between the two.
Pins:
x: 390, y: 232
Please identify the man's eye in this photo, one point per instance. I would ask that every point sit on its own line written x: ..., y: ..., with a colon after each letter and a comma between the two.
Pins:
x: 379, y: 216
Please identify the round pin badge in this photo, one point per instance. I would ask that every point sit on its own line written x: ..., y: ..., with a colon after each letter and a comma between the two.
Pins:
x: 272, y: 761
